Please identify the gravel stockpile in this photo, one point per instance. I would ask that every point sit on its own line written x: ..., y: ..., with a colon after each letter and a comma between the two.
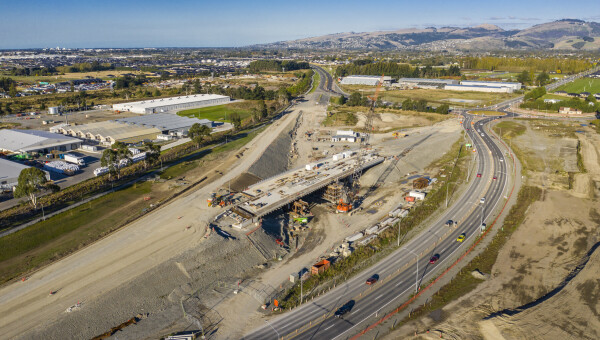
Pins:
x: 217, y: 262
x: 275, y: 158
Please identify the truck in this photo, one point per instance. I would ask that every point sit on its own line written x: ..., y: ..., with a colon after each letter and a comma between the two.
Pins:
x: 74, y: 159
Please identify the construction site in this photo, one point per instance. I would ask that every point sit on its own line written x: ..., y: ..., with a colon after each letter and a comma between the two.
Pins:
x: 282, y: 203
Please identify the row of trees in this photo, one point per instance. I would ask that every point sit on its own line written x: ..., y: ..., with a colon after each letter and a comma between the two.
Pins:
x: 277, y: 65
x: 6, y: 83
x: 395, y: 70
x: 517, y: 64
x: 356, y: 99
x: 533, y: 100
x: 528, y: 77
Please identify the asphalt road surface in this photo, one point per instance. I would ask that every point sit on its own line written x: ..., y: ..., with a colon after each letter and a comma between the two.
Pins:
x: 399, y: 273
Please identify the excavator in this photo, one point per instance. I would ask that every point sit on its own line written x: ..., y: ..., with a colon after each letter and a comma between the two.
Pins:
x: 345, y: 204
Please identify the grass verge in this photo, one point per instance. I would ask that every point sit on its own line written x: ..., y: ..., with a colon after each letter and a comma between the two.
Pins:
x: 65, y: 233
x: 486, y: 113
x: 316, y: 81
x: 465, y: 282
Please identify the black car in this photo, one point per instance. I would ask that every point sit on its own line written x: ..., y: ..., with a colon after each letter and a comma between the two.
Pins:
x: 344, y: 309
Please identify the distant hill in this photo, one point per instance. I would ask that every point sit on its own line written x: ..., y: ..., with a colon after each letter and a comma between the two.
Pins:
x: 568, y: 34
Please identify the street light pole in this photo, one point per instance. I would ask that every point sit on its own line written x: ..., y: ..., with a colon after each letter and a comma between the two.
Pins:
x: 417, y: 273
x: 273, y: 329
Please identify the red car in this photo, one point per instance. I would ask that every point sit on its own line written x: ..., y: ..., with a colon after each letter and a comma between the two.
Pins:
x: 372, y: 280
x: 495, y: 178
x: 434, y: 258
x: 478, y: 175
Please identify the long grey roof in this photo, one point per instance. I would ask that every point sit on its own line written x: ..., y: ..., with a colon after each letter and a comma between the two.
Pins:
x: 28, y: 140
x: 10, y: 170
x: 163, y: 121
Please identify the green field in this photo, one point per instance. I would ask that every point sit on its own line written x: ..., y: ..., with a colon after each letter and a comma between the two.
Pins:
x: 316, y: 81
x: 220, y: 113
x: 582, y: 85
x: 64, y: 233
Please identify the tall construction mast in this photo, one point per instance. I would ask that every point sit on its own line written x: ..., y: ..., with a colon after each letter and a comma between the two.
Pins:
x: 352, y: 194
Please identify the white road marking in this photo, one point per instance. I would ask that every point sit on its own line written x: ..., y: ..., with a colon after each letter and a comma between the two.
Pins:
x: 329, y: 327
x: 378, y: 296
x: 355, y: 311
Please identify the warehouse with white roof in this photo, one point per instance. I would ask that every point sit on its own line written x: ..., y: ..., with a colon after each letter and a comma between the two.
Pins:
x: 166, y: 122
x: 9, y: 173
x: 21, y: 141
x: 109, y: 132
x: 365, y: 80
x: 172, y: 103
x: 133, y: 130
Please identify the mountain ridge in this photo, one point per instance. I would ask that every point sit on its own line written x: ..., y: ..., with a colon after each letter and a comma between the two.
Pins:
x: 564, y: 34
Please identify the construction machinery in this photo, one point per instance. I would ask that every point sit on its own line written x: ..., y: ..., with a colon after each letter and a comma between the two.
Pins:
x: 351, y: 194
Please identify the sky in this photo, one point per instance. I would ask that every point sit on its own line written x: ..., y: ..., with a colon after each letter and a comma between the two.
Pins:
x: 229, y: 23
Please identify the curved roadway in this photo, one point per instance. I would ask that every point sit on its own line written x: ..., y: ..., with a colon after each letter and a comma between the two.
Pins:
x: 400, y: 277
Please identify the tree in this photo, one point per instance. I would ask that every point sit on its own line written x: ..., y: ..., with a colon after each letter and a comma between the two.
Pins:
x: 542, y: 79
x: 197, y: 132
x: 262, y: 108
x: 109, y: 159
x: 152, y: 153
x: 236, y: 121
x: 52, y: 187
x: 12, y: 91
x: 30, y: 181
x: 590, y: 98
x: 407, y: 104
x: 355, y: 99
x: 523, y: 77
x: 443, y: 109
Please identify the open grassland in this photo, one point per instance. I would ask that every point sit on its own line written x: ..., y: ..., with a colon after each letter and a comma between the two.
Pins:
x: 433, y: 96
x: 72, y: 76
x: 582, y: 85
x: 221, y: 113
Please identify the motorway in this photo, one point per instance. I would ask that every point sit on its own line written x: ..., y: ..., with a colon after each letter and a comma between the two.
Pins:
x: 408, y: 268
x: 327, y: 85
x: 399, y: 272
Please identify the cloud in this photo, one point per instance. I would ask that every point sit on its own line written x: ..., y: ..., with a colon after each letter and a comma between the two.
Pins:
x: 511, y: 17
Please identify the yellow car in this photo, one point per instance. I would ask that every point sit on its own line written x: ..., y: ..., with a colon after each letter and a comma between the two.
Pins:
x: 461, y: 237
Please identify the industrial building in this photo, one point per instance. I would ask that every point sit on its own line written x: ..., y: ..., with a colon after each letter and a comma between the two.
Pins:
x: 30, y: 141
x: 512, y: 86
x: 346, y: 136
x: 133, y: 130
x: 168, y: 124
x: 478, y: 88
x: 365, y: 80
x: 172, y: 104
x: 9, y: 173
x: 109, y: 132
x: 425, y: 83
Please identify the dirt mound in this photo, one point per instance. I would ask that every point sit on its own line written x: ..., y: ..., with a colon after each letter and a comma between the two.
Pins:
x: 243, y: 181
x: 579, y: 305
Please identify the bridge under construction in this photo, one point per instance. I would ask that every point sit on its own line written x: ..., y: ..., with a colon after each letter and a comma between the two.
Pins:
x: 275, y: 192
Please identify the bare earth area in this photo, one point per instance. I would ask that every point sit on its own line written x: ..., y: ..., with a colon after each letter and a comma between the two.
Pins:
x: 542, y: 285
